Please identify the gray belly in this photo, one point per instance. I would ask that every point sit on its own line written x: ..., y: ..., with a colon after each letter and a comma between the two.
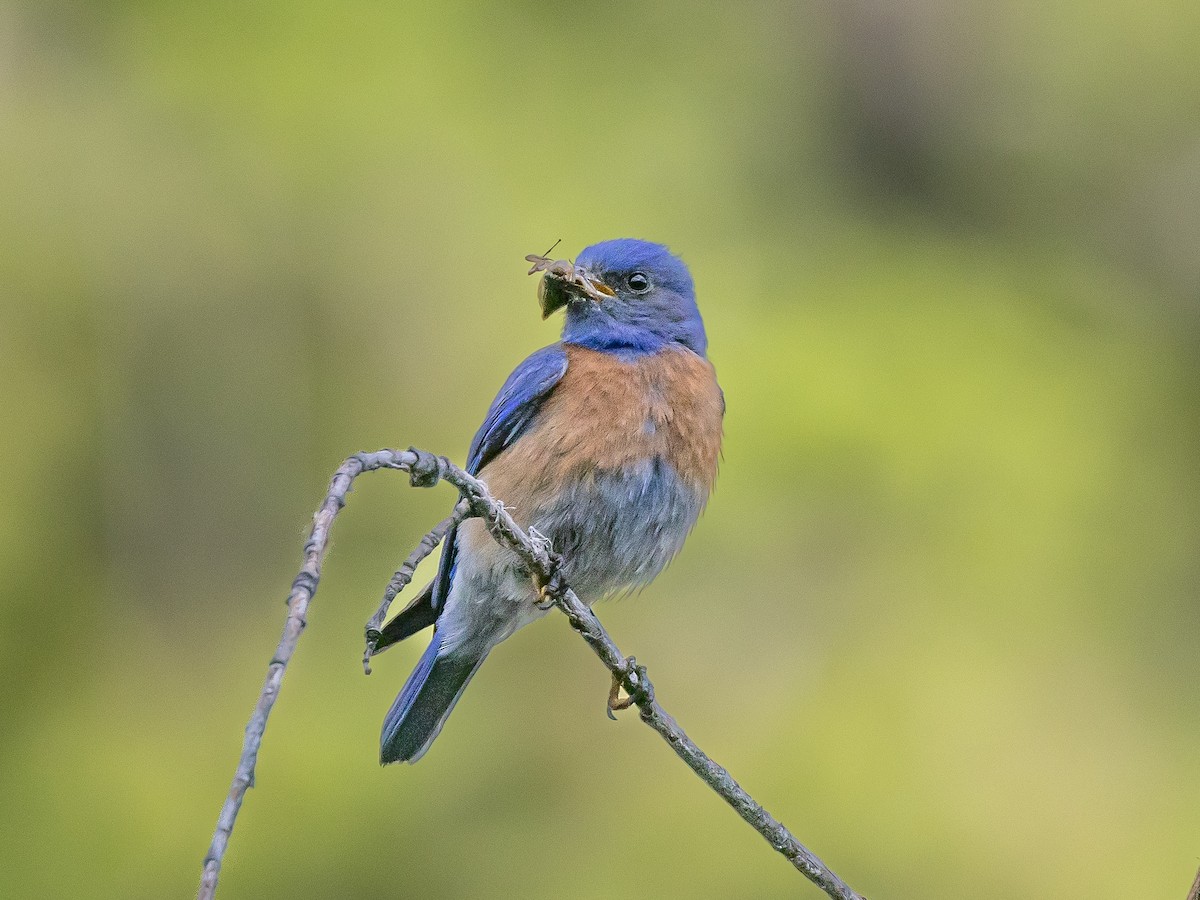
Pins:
x: 618, y: 530
x: 614, y: 530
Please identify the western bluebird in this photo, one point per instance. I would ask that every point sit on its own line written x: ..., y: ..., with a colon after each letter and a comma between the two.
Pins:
x: 606, y: 443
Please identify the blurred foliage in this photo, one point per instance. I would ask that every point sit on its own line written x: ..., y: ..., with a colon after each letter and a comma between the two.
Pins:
x: 941, y: 616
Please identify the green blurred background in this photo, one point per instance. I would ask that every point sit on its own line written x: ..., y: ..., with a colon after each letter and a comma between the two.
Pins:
x: 941, y: 616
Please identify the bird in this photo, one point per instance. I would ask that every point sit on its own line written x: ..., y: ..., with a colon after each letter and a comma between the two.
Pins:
x: 605, y: 443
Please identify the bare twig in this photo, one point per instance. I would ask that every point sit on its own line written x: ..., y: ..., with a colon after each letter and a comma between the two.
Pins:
x: 404, y: 575
x: 632, y: 677
x: 425, y: 470
x: 303, y: 589
x: 1194, y: 893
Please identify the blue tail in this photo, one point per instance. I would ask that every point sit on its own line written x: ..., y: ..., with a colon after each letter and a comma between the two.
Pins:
x: 425, y: 703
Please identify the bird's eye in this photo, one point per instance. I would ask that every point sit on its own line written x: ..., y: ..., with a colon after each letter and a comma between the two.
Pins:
x: 638, y: 283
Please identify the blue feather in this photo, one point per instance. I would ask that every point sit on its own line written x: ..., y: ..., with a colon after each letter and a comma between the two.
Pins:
x: 636, y: 324
x: 425, y: 702
x: 506, y: 420
x: 516, y: 404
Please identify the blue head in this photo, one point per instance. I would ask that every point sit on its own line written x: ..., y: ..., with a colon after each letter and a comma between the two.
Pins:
x: 627, y: 296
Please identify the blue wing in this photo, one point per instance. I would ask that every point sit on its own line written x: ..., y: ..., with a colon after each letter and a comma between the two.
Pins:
x: 516, y: 404
x: 436, y: 684
x: 506, y: 420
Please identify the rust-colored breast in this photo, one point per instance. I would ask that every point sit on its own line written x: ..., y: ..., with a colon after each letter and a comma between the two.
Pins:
x: 607, y: 414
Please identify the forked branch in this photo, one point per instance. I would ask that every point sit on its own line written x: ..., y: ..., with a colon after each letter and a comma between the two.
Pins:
x: 425, y: 470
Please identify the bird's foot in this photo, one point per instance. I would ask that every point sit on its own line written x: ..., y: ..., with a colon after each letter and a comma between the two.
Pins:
x: 636, y: 683
x: 550, y: 588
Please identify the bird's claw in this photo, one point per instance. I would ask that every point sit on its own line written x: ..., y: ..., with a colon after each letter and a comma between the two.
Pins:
x: 550, y: 588
x: 642, y: 690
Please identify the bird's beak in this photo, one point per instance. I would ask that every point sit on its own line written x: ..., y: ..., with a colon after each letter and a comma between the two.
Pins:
x: 562, y: 281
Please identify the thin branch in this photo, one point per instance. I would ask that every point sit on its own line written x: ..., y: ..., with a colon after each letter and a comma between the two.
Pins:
x: 303, y: 589
x: 404, y: 575
x: 632, y: 677
x: 426, y: 470
x: 1194, y: 893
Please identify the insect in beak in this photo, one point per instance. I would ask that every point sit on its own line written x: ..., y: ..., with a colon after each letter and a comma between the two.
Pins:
x: 562, y: 280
